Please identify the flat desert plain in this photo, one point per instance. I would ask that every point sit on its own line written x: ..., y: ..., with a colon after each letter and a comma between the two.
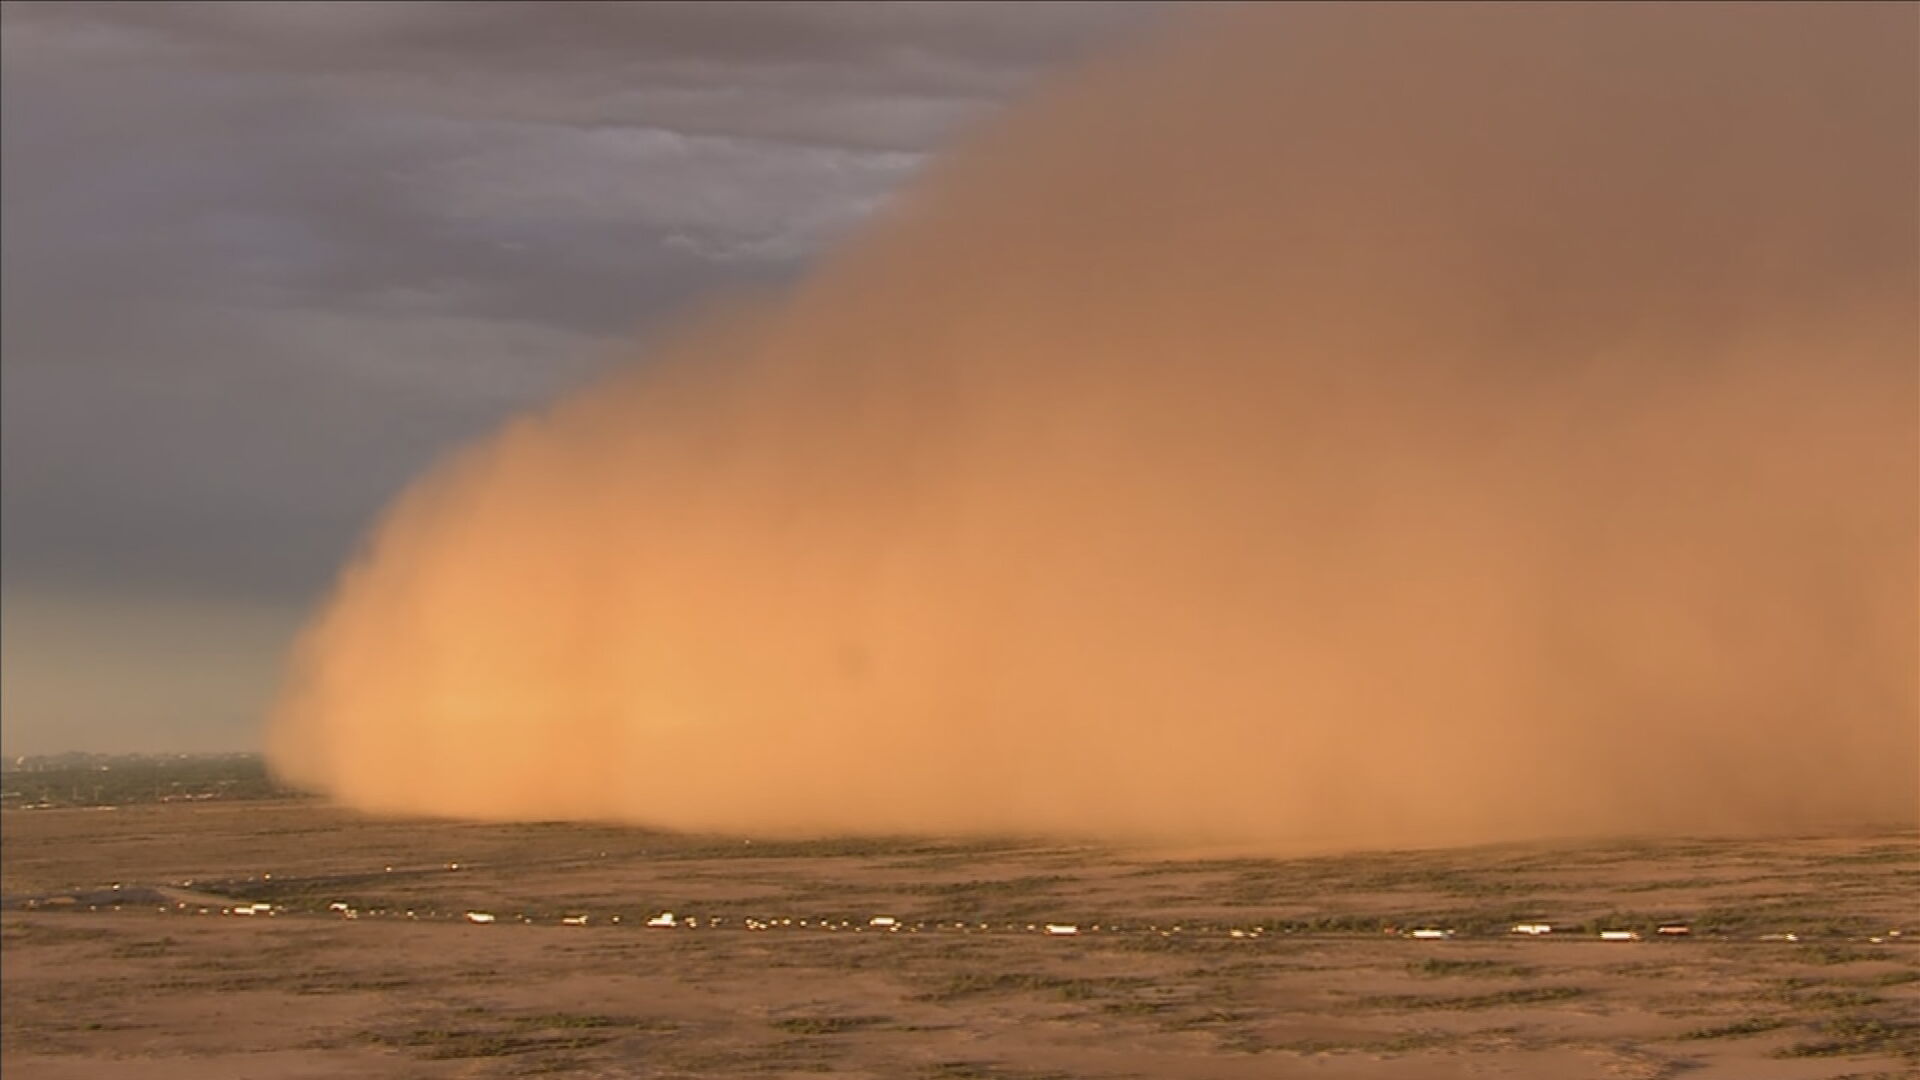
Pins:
x: 287, y: 939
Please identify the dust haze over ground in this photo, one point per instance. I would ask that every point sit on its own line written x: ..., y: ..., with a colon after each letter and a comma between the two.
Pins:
x: 1319, y: 426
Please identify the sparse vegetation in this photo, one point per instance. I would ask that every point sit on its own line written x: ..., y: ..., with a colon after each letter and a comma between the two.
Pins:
x: 566, y: 1021
x: 1528, y: 995
x: 1852, y: 1036
x: 826, y: 1025
x: 974, y: 984
x: 980, y: 1070
x: 1814, y: 994
x: 443, y: 1043
x: 1739, y: 1029
x: 141, y: 950
x: 1436, y: 966
x: 1836, y: 954
x: 1313, y: 972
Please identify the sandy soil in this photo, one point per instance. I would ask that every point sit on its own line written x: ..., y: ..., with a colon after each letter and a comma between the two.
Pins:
x: 1277, y: 968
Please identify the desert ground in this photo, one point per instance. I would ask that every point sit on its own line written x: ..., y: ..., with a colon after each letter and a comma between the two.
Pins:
x: 126, y: 954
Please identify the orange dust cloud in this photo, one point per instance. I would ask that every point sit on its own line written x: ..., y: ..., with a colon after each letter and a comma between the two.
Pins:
x: 1347, y: 425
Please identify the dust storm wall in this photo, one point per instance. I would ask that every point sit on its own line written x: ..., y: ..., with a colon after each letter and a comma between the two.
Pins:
x: 1317, y: 425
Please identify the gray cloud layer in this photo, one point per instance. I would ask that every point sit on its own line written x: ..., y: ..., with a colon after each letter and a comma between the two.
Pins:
x: 263, y: 262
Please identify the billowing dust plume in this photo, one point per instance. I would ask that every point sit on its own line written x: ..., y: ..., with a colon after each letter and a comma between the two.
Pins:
x: 1360, y: 425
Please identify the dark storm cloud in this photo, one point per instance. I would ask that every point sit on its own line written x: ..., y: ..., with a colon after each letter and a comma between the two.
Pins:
x: 264, y: 261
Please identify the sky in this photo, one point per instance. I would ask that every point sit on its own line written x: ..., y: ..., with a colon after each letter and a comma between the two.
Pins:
x: 264, y: 263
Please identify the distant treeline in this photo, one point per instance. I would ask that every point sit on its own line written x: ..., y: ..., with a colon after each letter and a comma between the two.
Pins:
x: 120, y: 780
